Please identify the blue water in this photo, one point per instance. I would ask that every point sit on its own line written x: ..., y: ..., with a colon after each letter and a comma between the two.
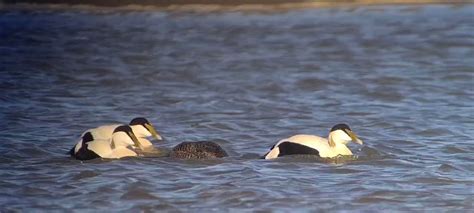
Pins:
x: 401, y: 76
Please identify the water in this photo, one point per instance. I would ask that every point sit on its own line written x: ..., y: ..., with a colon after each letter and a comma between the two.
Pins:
x: 401, y: 76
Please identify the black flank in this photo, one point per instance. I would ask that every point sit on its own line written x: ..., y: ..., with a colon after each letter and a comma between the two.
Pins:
x: 87, y: 137
x: 84, y: 153
x: 289, y: 148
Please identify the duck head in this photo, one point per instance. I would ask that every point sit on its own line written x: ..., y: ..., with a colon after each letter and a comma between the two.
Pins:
x: 342, y: 134
x: 143, y: 128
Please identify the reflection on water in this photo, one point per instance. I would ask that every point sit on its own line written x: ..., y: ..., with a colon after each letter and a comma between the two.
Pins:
x: 402, y: 77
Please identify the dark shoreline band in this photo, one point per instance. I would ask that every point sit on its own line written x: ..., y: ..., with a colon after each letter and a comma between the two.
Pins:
x: 167, y: 3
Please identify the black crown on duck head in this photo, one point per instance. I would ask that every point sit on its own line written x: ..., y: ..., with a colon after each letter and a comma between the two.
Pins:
x: 123, y: 128
x: 342, y: 126
x: 139, y: 121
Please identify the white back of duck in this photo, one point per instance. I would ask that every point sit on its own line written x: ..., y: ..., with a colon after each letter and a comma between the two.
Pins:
x: 103, y: 132
x: 101, y: 135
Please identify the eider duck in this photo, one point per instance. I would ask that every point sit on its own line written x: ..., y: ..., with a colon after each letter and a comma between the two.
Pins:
x: 89, y: 148
x: 198, y: 150
x: 141, y: 127
x: 331, y: 147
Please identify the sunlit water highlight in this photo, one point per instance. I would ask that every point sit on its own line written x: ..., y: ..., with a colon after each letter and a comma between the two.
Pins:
x: 402, y: 77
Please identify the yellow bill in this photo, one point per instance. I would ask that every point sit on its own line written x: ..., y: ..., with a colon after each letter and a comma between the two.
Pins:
x: 354, y: 137
x: 153, y: 132
x: 135, y: 140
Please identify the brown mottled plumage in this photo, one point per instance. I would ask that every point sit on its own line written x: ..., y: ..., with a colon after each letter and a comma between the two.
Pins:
x: 198, y: 150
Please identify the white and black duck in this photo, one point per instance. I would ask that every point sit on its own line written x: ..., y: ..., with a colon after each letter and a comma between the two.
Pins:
x: 141, y: 127
x: 334, y: 145
x: 118, y: 146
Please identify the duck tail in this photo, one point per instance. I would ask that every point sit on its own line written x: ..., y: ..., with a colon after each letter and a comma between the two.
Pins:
x: 71, y: 152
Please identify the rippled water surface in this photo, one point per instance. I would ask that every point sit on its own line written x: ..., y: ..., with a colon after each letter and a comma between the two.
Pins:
x: 401, y: 76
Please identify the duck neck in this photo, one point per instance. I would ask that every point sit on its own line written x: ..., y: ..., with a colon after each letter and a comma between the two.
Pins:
x: 144, y: 143
x: 342, y: 149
